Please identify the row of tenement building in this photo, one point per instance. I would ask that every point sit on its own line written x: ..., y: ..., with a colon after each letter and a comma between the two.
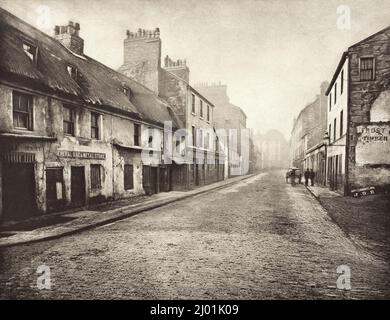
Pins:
x: 344, y: 134
x: 74, y: 131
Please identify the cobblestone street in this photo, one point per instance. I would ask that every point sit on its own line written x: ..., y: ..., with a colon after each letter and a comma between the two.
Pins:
x: 257, y: 239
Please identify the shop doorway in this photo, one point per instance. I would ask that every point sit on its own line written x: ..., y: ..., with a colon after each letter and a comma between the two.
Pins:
x: 77, y: 184
x: 18, y: 191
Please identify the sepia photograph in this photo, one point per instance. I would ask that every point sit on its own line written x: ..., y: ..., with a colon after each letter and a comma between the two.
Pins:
x: 198, y: 152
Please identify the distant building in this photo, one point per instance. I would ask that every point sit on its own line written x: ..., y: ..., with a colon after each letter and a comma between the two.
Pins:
x: 359, y: 117
x: 272, y: 150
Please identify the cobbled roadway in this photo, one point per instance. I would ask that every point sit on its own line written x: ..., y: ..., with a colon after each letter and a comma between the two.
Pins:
x: 257, y: 239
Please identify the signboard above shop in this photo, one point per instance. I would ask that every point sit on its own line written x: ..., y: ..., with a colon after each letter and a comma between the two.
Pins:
x: 81, y: 155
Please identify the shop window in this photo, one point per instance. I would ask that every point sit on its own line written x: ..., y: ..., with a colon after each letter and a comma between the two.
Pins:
x: 96, y: 176
x: 22, y: 110
x: 128, y: 177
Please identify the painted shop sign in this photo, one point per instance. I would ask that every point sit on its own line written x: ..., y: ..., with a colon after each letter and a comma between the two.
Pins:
x: 373, y: 144
x: 81, y: 155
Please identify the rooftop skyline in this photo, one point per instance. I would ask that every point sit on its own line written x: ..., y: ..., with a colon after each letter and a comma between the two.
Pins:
x: 272, y: 55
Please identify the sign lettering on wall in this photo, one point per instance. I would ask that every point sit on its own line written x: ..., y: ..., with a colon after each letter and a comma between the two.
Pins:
x: 81, y: 155
x: 373, y: 144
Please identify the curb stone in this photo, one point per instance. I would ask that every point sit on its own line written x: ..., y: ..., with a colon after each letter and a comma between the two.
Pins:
x: 122, y: 213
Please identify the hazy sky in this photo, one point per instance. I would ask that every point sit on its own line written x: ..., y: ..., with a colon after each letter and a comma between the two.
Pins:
x: 273, y: 55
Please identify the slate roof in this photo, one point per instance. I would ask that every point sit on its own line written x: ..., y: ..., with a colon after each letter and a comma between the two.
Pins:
x: 98, y: 84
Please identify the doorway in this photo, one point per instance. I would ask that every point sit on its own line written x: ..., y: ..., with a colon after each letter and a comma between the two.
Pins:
x: 77, y: 184
x: 54, y: 189
x: 18, y: 191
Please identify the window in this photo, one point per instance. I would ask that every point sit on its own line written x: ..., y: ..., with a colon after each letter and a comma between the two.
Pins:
x: 207, y: 141
x: 193, y: 136
x: 341, y: 123
x: 96, y: 179
x: 31, y: 51
x: 334, y: 129
x: 68, y: 114
x: 128, y: 177
x: 95, y: 117
x: 366, y: 69
x: 201, y: 108
x: 72, y: 70
x: 150, y: 139
x: 137, y: 134
x: 330, y: 132
x: 127, y: 91
x: 208, y: 113
x: 335, y: 93
x: 22, y: 110
x: 193, y: 104
x: 330, y: 103
x: 342, y: 82
x: 201, y: 138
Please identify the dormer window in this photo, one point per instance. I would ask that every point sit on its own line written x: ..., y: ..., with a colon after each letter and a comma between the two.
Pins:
x: 31, y: 51
x: 127, y: 91
x: 72, y: 70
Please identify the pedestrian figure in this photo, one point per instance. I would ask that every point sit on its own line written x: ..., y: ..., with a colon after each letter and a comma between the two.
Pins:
x: 312, y: 175
x: 307, y: 176
x: 300, y: 176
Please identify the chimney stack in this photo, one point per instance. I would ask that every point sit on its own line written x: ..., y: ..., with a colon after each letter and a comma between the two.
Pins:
x: 178, y: 67
x: 69, y: 37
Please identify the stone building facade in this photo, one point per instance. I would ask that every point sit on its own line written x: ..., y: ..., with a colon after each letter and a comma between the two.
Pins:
x: 72, y: 131
x: 193, y: 111
x: 307, y: 148
x: 359, y: 115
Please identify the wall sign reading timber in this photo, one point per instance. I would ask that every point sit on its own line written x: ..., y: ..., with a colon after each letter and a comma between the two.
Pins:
x: 81, y: 155
x: 373, y: 143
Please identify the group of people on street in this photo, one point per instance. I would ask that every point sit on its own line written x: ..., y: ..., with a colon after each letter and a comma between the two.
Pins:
x: 309, y: 174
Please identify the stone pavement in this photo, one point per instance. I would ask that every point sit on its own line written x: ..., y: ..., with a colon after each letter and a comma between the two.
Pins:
x: 86, y: 219
x: 259, y: 238
x: 366, y: 220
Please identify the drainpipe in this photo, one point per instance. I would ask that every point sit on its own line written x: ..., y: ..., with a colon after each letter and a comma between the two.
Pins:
x: 112, y: 158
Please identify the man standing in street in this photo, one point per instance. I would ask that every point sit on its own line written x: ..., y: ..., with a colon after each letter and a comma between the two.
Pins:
x: 312, y: 175
x: 307, y: 175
